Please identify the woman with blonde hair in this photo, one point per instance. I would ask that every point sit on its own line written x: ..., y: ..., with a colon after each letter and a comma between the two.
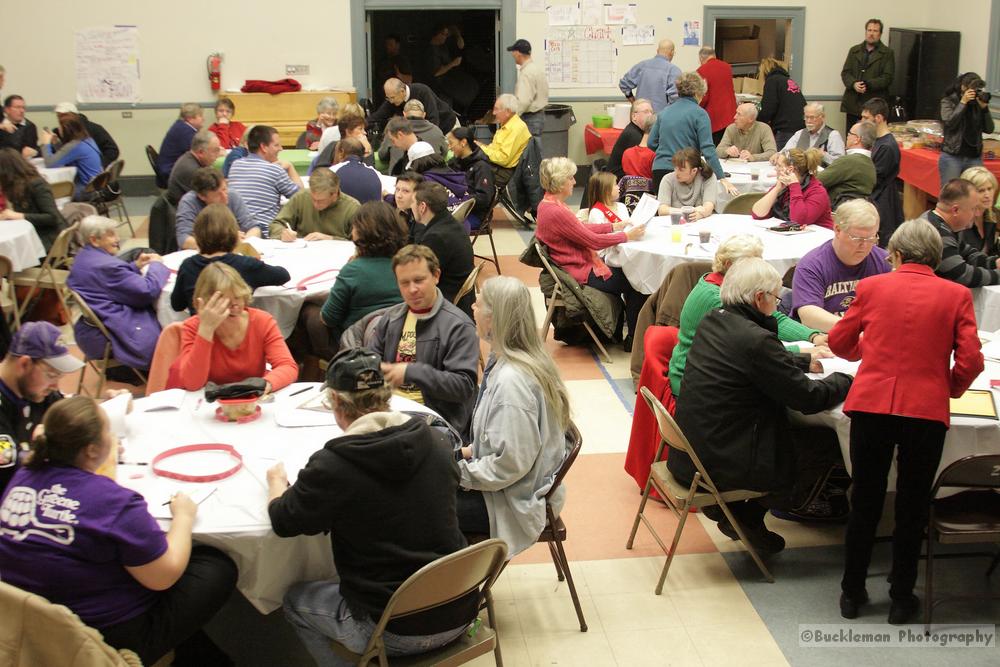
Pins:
x: 705, y: 297
x: 101, y: 553
x: 798, y: 196
x: 227, y: 341
x: 781, y: 102
x: 573, y: 246
x: 519, y: 424
x: 982, y: 235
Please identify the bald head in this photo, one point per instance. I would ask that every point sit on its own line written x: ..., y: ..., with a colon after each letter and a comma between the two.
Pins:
x: 665, y: 48
x: 395, y: 91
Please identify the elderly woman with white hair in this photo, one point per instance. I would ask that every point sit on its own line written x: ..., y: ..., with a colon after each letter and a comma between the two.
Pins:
x: 920, y: 348
x: 738, y: 385
x: 120, y: 293
x: 684, y: 124
x: 519, y: 424
x: 573, y: 244
x: 326, y: 117
x: 705, y: 297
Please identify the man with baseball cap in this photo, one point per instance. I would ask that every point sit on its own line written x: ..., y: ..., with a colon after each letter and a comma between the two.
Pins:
x: 385, y: 491
x: 29, y: 383
x: 106, y: 144
x: 532, y: 88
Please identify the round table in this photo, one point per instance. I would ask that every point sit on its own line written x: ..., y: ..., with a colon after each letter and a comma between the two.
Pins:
x: 300, y: 158
x: 234, y: 517
x: 648, y: 261
x: 313, y: 267
x: 19, y: 242
x: 741, y: 176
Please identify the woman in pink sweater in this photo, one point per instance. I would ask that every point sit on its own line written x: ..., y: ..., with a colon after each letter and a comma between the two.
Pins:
x: 573, y: 244
x: 228, y: 342
x: 798, y: 196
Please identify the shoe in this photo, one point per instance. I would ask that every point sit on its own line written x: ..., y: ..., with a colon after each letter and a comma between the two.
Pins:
x: 714, y: 512
x: 902, y: 611
x: 760, y: 538
x: 850, y: 604
x: 627, y: 343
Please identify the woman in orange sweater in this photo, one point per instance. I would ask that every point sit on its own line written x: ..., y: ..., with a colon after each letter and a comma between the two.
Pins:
x: 227, y: 341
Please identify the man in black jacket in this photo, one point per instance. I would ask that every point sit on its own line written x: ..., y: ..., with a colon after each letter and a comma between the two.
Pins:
x: 447, y: 238
x: 385, y: 490
x: 398, y: 93
x: 738, y: 385
x: 105, y: 142
x: 867, y: 72
x: 630, y: 136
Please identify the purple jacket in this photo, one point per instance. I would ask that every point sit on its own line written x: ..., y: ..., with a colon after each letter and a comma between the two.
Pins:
x: 454, y: 181
x: 123, y: 299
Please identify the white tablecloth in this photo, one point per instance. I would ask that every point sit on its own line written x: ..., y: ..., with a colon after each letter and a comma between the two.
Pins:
x: 648, y: 261
x: 303, y: 260
x: 234, y: 518
x: 58, y: 174
x: 741, y: 176
x: 20, y: 243
x: 967, y: 435
x: 986, y: 301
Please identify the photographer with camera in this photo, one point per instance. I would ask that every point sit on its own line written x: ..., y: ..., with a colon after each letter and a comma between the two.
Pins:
x: 965, y: 116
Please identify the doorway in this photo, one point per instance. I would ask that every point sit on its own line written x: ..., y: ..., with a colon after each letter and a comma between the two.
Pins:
x: 455, y: 52
x: 743, y: 35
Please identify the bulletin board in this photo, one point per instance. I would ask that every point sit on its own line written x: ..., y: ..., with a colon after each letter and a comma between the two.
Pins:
x: 107, y: 64
x: 583, y: 38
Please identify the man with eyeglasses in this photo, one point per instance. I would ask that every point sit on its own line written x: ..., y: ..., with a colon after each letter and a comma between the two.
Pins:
x: 852, y: 176
x: 953, y: 213
x: 826, y: 277
x: 29, y: 384
x: 816, y: 134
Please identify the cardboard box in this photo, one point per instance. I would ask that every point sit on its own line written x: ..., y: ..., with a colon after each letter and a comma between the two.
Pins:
x: 748, y: 85
x: 740, y: 50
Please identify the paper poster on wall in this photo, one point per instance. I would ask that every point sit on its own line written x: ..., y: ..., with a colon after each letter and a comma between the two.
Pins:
x: 620, y: 14
x: 563, y: 14
x: 591, y: 12
x: 580, y: 57
x: 638, y: 34
x: 692, y: 33
x: 107, y: 64
x: 532, y: 5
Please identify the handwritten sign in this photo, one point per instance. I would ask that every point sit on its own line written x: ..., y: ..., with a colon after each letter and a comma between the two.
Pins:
x: 638, y: 34
x: 107, y: 64
x: 620, y: 14
x: 563, y: 14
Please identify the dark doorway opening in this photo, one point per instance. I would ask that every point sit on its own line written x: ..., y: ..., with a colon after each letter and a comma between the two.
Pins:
x: 425, y: 47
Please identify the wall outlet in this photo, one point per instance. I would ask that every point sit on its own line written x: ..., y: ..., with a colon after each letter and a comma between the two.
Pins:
x: 126, y: 114
x: 296, y: 69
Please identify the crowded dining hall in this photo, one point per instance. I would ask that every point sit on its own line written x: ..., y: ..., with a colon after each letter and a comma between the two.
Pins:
x: 523, y: 333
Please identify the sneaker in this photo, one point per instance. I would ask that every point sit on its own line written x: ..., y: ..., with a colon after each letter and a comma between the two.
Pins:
x: 851, y: 604
x: 902, y: 611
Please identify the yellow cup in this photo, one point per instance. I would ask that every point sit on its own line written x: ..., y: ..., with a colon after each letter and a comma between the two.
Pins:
x: 676, y: 235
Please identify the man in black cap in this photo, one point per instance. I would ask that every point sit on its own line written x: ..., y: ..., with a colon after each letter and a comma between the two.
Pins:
x: 385, y: 490
x: 532, y: 89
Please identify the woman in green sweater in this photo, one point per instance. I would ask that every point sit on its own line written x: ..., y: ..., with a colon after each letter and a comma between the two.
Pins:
x: 705, y: 297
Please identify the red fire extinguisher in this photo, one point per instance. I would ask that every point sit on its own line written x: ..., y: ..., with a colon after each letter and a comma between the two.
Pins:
x: 214, y: 70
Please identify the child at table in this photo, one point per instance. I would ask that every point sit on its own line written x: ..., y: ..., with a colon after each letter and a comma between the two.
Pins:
x: 79, y: 539
x: 602, y: 193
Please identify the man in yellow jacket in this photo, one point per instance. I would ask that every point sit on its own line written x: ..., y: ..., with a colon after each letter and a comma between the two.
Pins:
x: 512, y: 134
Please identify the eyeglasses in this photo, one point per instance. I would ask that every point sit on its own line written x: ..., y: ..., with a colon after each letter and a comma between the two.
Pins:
x: 863, y: 239
x: 853, y: 134
x: 777, y: 299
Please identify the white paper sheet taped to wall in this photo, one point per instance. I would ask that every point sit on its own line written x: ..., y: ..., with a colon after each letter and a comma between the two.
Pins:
x: 107, y: 64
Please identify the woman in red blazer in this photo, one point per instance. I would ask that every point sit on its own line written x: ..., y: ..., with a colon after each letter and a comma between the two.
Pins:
x: 911, y: 322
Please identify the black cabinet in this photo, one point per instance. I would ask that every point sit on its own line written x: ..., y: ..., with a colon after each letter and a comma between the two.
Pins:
x: 926, y: 64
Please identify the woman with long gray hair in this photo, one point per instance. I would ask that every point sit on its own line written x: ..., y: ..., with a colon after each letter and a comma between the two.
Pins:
x: 519, y: 424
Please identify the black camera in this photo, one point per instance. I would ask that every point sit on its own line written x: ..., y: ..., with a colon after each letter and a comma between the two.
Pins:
x: 984, y: 96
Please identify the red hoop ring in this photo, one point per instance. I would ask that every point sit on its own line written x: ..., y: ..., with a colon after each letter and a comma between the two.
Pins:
x: 213, y: 447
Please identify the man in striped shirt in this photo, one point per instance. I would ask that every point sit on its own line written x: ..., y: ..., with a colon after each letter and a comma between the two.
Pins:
x: 961, y: 262
x: 261, y: 179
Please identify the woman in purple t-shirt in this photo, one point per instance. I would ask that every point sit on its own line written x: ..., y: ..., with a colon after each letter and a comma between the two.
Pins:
x: 79, y: 539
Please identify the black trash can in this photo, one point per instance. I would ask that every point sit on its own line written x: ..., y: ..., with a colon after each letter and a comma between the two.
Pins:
x: 555, y: 131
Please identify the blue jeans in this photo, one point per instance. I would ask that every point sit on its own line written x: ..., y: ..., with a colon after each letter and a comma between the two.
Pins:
x: 319, y: 613
x: 951, y: 166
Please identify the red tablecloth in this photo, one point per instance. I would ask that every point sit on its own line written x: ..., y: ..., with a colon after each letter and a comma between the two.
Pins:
x: 599, y: 139
x: 919, y: 168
